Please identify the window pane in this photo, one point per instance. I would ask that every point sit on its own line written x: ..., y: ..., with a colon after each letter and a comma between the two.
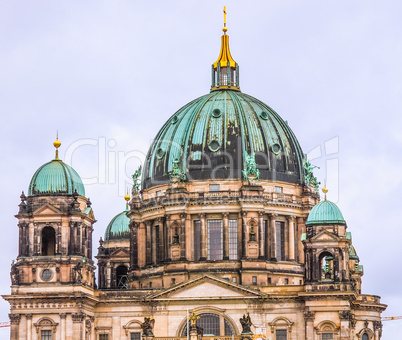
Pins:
x: 365, y: 336
x: 46, y: 335
x: 233, y: 240
x: 280, y: 240
x: 215, y: 240
x: 103, y: 336
x: 228, y: 328
x: 210, y: 324
x: 135, y: 336
x: 327, y: 336
x: 281, y: 334
x: 197, y: 240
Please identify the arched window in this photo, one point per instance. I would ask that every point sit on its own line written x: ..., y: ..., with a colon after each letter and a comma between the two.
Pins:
x: 48, y: 241
x: 365, y: 336
x: 121, y: 277
x: 211, y: 325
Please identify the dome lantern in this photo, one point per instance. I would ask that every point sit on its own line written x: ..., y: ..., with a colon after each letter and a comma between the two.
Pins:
x: 225, y: 70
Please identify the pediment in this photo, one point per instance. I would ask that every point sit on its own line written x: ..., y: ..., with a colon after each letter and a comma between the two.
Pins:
x: 47, y: 209
x: 120, y: 252
x: 207, y: 287
x: 325, y: 236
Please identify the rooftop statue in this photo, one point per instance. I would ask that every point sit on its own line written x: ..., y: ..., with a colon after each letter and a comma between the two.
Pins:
x: 137, y: 181
x: 147, y: 327
x: 177, y: 175
x: 309, y: 177
x: 251, y: 173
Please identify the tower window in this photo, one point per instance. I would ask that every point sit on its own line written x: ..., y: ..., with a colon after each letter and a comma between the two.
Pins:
x: 365, y: 336
x: 215, y: 250
x: 279, y: 190
x: 233, y: 240
x: 269, y: 280
x: 48, y: 241
x: 327, y: 336
x: 103, y: 336
x: 46, y: 335
x: 135, y: 336
x: 254, y: 280
x: 173, y: 281
x: 121, y: 277
x: 234, y: 279
x: 281, y: 334
x: 286, y: 281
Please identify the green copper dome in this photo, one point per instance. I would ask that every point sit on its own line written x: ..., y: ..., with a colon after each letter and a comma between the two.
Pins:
x: 119, y: 227
x: 55, y: 178
x: 211, y: 136
x: 325, y: 212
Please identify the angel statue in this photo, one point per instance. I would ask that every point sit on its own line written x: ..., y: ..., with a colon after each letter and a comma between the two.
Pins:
x: 137, y: 181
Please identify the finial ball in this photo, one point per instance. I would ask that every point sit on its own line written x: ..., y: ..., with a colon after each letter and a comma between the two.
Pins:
x: 224, y: 29
x: 127, y: 197
x: 56, y: 143
x: 324, y: 190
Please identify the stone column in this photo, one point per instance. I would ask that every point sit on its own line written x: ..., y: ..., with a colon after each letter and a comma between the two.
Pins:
x: 20, y: 238
x: 63, y: 325
x: 204, y: 243
x: 78, y: 326
x: 300, y: 230
x: 154, y: 246
x: 261, y: 237
x: 148, y: 237
x: 36, y: 240
x: 168, y: 237
x: 29, y: 326
x: 108, y: 275
x: 291, y: 221
x: 345, y: 317
x: 309, y: 324
x: 225, y: 236
x: 15, y: 324
x: 183, y: 244
x: 239, y: 236
x: 273, y: 218
x: 134, y: 245
x: 189, y: 238
x: 141, y: 245
x: 244, y: 235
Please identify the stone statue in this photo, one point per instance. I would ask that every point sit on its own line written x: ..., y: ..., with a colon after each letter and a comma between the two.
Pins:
x: 137, y: 180
x: 246, y: 323
x: 309, y: 177
x: 14, y: 274
x: 147, y: 327
x: 176, y: 175
x: 78, y: 273
x: 251, y: 173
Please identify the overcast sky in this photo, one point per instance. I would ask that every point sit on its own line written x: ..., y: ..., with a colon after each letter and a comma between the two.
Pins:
x: 108, y: 74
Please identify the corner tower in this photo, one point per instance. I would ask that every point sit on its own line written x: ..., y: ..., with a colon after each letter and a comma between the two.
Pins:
x: 55, y: 225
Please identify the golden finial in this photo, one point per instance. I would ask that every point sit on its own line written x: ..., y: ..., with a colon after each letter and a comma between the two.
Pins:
x: 224, y: 29
x: 57, y: 144
x: 127, y: 197
x: 325, y: 190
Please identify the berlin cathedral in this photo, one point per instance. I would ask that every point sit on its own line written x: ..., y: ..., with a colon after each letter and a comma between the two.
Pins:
x: 224, y: 236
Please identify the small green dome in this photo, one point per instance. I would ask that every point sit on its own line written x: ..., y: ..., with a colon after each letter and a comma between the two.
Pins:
x: 325, y: 212
x: 55, y: 178
x: 119, y: 227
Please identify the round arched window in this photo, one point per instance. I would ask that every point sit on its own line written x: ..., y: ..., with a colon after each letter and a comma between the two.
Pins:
x: 365, y: 336
x: 211, y: 325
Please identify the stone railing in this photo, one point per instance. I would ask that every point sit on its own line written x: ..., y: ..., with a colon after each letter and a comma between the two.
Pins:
x: 217, y: 197
x: 217, y: 337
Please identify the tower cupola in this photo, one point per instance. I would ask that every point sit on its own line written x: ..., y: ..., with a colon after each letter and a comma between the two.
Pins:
x: 225, y: 70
